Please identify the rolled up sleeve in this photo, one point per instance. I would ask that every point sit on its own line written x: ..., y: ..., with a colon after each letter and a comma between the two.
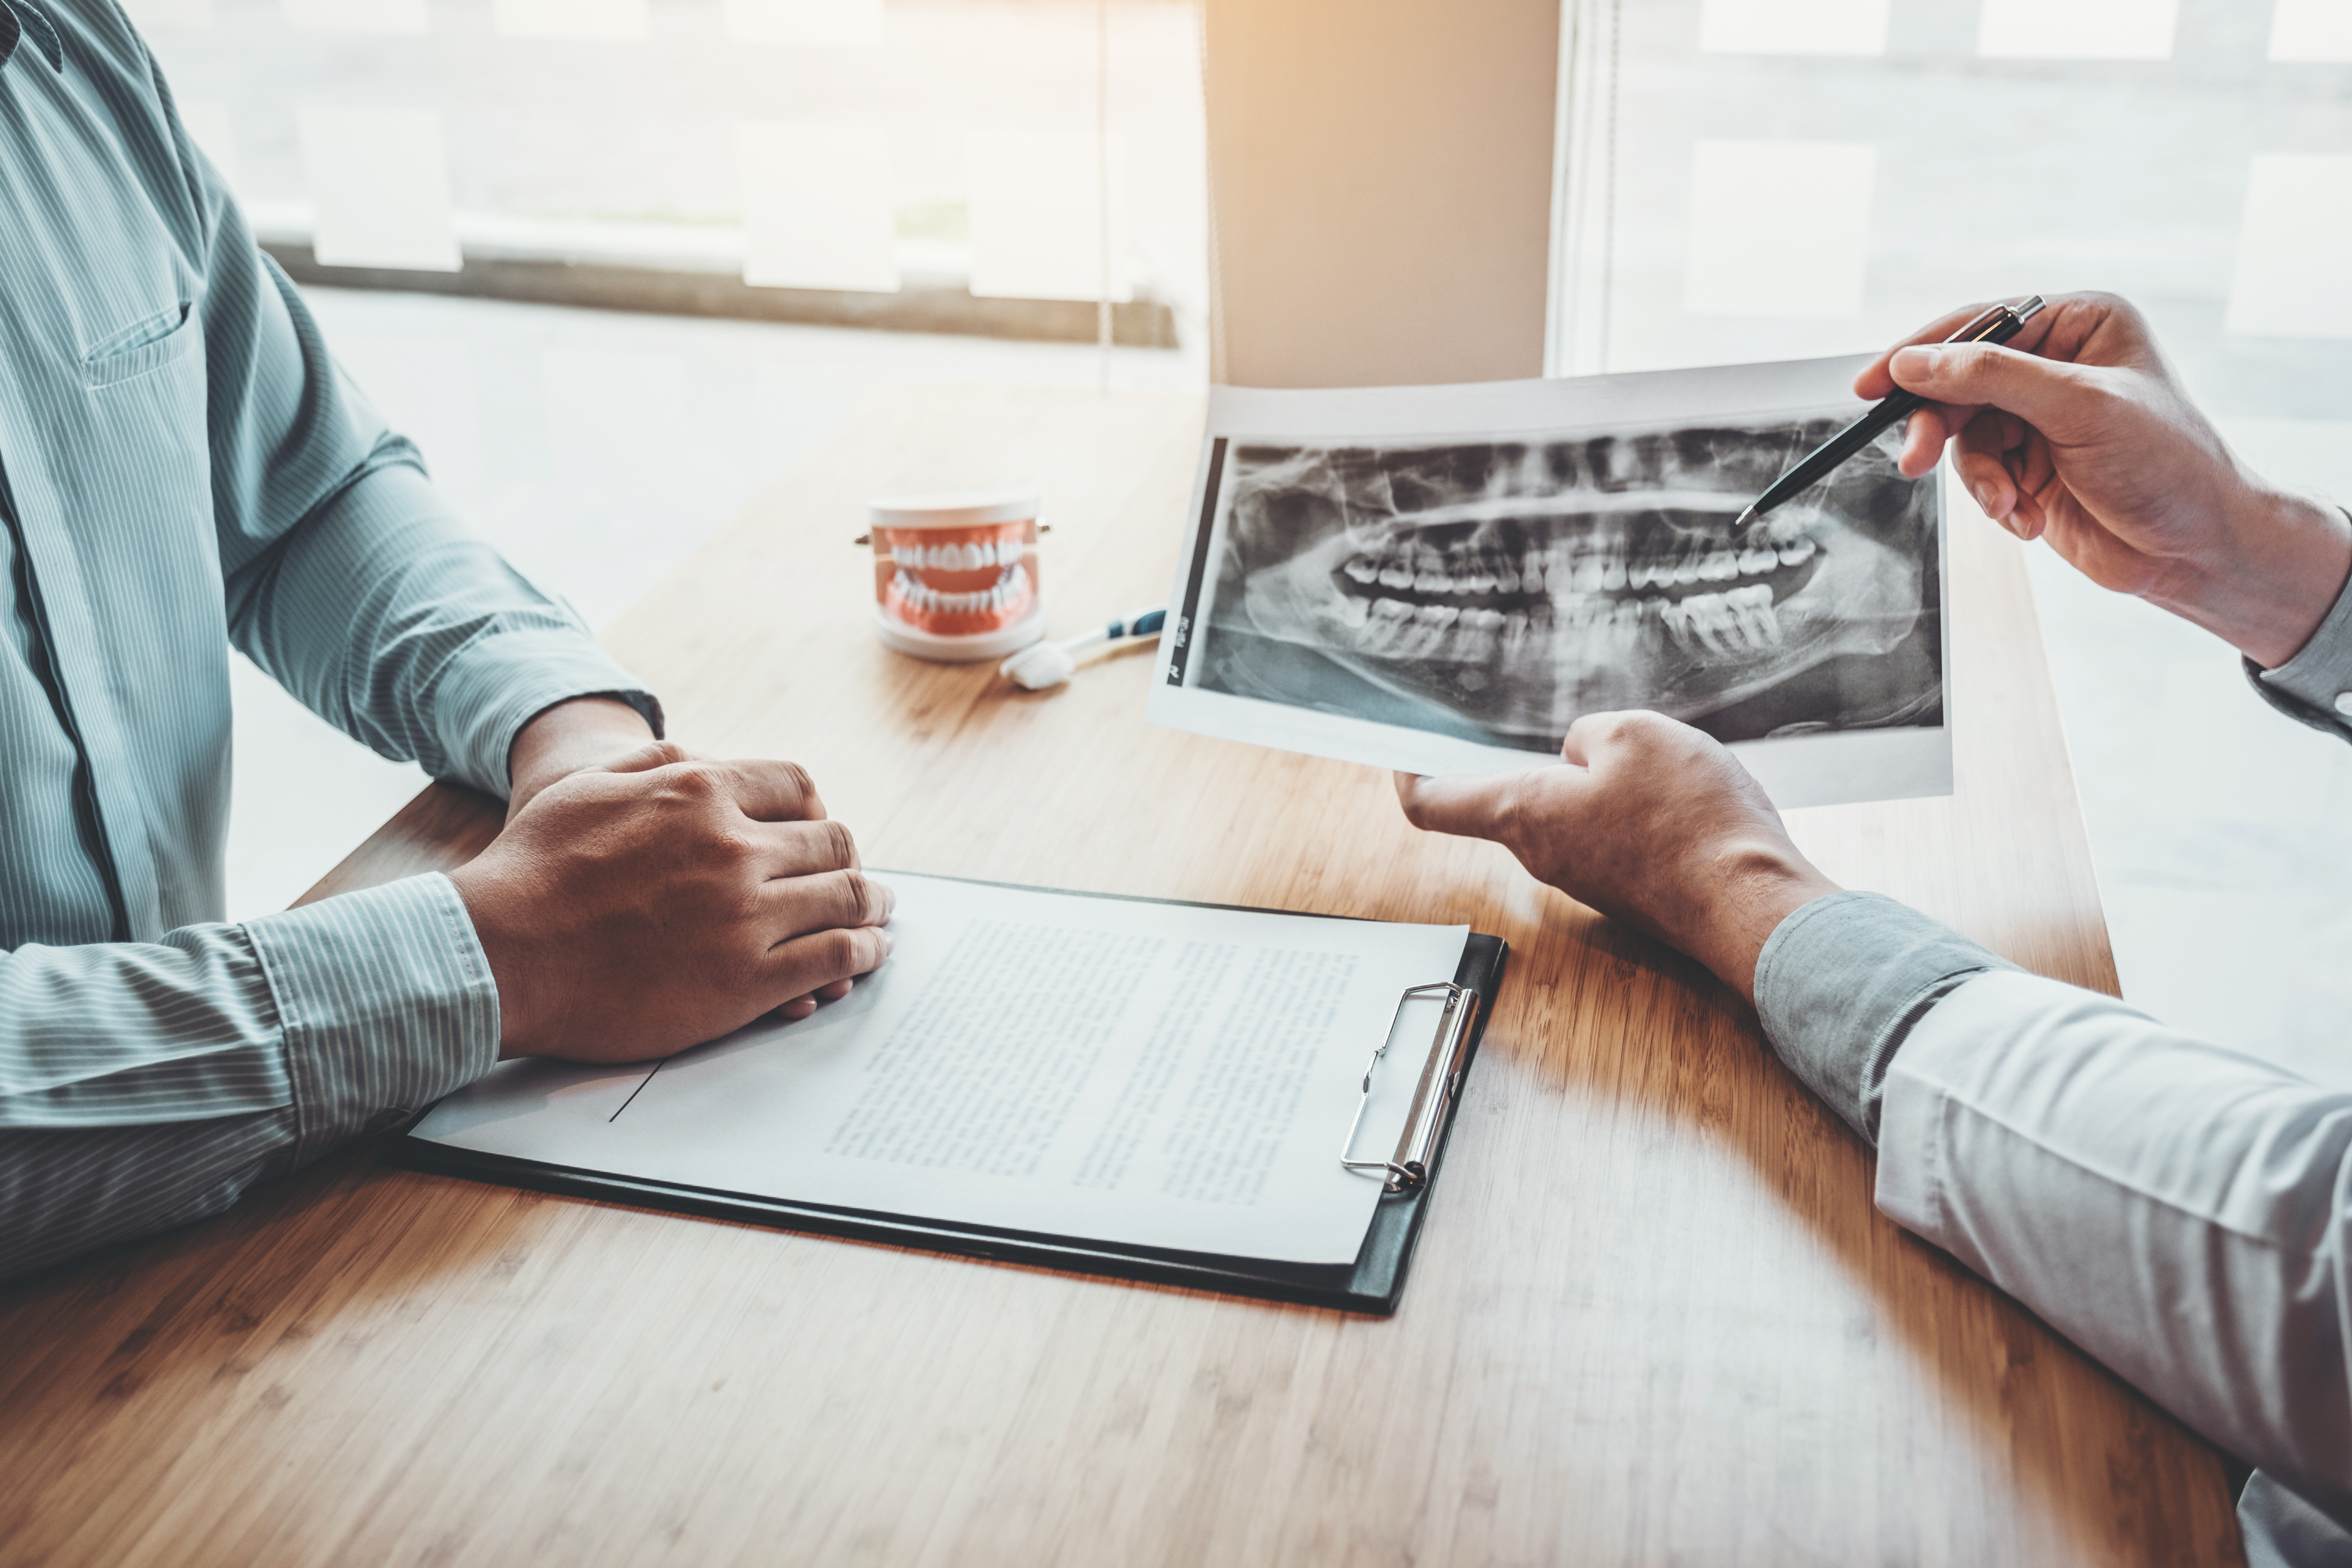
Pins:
x: 1842, y: 983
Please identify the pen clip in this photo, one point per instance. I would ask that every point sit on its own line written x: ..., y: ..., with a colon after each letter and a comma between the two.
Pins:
x: 1991, y: 318
x: 1982, y: 322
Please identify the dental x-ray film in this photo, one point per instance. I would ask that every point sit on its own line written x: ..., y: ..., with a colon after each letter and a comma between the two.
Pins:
x: 1443, y: 579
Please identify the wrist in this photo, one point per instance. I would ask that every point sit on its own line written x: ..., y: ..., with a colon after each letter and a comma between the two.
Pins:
x: 508, y: 971
x: 1751, y: 887
x: 2284, y: 562
x: 561, y: 740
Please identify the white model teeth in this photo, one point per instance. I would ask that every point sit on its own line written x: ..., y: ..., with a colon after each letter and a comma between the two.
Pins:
x: 1010, y: 588
x: 965, y: 557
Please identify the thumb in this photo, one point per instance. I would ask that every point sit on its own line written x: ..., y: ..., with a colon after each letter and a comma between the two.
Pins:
x: 2045, y: 392
x: 1474, y: 805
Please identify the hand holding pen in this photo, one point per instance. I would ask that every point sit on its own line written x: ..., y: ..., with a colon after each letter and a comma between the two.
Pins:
x: 2080, y: 434
x: 1994, y: 324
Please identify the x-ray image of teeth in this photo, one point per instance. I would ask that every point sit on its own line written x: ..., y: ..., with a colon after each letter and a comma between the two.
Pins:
x: 1494, y: 589
x: 1509, y: 587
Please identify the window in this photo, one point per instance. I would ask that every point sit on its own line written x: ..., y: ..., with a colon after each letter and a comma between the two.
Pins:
x: 1770, y: 179
x: 796, y: 174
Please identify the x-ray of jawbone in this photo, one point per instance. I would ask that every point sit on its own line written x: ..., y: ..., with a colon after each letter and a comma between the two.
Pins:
x: 1509, y: 587
x: 1440, y: 579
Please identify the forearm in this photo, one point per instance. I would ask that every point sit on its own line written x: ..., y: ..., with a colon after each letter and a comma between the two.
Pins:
x: 2175, y: 1209
x: 2274, y: 572
x: 2170, y: 1206
x: 345, y: 575
x: 144, y: 1085
x: 397, y: 626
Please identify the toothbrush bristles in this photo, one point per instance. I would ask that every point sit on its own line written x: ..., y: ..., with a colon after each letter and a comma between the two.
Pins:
x: 1039, y: 665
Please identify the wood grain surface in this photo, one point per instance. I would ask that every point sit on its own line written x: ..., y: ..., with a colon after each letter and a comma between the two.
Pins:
x: 1655, y: 1317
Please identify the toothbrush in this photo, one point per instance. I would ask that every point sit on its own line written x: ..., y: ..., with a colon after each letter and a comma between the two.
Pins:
x: 1045, y: 664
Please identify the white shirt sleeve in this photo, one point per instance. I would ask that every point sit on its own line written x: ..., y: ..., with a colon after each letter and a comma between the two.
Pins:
x: 2177, y: 1209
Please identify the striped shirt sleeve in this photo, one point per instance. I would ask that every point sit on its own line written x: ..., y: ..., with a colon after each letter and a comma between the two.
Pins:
x: 144, y: 1085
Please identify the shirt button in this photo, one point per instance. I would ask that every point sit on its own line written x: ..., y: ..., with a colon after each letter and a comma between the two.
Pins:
x: 2344, y: 703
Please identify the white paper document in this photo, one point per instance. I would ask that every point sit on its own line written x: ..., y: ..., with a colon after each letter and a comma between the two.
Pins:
x: 1118, y: 1070
x: 1443, y: 579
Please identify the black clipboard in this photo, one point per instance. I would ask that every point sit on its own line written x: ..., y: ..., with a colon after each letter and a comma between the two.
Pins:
x: 1373, y: 1283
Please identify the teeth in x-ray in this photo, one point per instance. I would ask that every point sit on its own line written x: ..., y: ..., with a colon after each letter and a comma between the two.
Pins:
x: 1520, y: 583
x: 1741, y: 620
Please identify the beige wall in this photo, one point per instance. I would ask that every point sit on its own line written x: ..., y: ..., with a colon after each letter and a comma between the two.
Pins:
x: 1381, y: 175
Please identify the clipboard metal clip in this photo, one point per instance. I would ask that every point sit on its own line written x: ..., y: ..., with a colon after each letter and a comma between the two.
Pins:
x: 1441, y: 1081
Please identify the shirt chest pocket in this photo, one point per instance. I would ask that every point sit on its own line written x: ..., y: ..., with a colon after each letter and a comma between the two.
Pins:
x: 142, y: 349
x: 139, y: 488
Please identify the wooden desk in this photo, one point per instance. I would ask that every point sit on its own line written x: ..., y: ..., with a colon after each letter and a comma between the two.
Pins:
x: 1653, y: 1318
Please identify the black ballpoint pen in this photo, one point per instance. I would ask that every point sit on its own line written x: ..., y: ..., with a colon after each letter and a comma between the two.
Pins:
x: 1997, y: 325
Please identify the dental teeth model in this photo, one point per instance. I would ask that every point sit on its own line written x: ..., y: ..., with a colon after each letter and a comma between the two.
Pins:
x: 955, y: 575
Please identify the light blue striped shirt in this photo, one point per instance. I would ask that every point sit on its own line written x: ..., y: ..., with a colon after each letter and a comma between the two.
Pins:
x: 183, y: 467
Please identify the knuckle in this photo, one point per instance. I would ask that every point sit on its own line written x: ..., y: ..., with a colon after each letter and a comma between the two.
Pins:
x: 670, y: 753
x: 839, y: 952
x: 794, y: 780
x: 860, y: 898
x: 1631, y: 728
x: 839, y: 846
x: 729, y: 850
x: 695, y: 780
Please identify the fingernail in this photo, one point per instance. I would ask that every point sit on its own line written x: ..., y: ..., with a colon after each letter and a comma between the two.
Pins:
x: 1985, y: 498
x: 1918, y: 363
x: 888, y: 943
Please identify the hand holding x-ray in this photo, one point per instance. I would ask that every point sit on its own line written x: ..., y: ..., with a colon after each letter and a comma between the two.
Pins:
x: 1650, y: 823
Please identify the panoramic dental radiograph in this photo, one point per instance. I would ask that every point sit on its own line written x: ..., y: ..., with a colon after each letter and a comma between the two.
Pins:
x: 1499, y: 589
